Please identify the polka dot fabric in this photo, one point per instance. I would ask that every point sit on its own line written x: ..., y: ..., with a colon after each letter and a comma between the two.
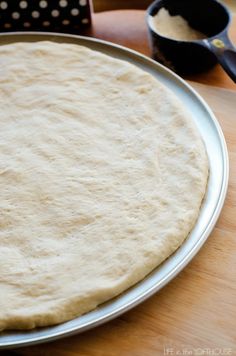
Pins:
x: 70, y: 16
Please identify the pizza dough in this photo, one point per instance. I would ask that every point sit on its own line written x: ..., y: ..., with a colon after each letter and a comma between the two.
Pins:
x: 102, y: 174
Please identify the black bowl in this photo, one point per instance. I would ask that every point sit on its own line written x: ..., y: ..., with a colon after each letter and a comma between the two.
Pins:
x: 188, y: 57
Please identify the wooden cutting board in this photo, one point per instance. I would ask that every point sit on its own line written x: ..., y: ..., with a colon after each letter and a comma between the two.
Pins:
x: 197, y: 309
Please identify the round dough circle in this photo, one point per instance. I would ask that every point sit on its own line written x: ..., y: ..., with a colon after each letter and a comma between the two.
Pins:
x: 102, y: 174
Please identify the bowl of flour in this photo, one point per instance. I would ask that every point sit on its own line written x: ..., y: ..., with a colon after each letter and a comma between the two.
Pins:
x: 190, y: 36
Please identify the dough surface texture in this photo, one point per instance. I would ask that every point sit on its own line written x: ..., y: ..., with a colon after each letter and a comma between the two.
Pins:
x: 102, y: 175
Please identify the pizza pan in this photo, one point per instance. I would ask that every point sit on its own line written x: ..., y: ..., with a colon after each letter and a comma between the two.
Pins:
x: 210, y: 209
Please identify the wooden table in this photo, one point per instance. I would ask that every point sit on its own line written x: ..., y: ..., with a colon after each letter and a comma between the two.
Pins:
x: 196, y: 311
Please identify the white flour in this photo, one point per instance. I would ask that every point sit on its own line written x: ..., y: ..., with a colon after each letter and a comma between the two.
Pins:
x: 175, y: 27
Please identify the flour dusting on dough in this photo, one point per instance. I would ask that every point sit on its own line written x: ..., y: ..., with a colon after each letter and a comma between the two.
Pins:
x: 102, y: 174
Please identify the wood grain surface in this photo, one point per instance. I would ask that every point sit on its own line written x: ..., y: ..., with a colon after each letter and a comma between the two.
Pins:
x: 128, y: 28
x: 105, y: 5
x: 195, y: 314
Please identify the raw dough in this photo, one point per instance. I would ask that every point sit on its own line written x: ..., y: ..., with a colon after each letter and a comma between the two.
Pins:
x: 102, y: 174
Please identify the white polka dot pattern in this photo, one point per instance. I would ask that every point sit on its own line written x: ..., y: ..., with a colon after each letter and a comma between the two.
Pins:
x: 63, y: 3
x: 83, y: 2
x: 46, y: 23
x: 35, y: 14
x: 43, y: 4
x: 75, y: 12
x: 3, y: 5
x: 23, y: 4
x: 66, y: 22
x: 15, y: 15
x: 55, y: 15
x: 7, y: 25
x: 85, y: 21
